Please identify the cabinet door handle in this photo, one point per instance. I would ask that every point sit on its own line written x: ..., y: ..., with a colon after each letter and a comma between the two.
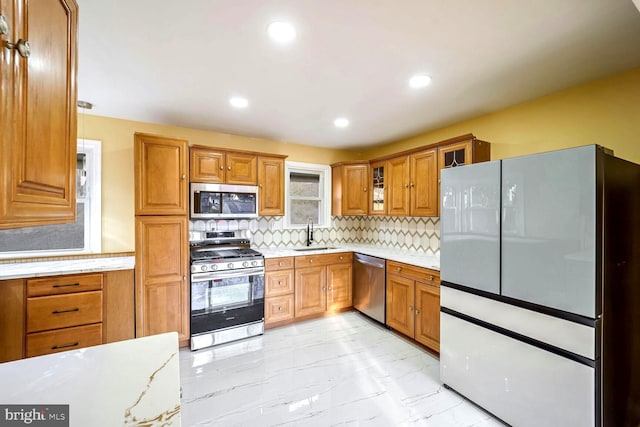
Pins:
x: 324, y: 288
x: 65, y: 311
x: 259, y: 185
x: 411, y: 185
x: 228, y: 167
x: 410, y: 308
x: 330, y: 288
x: 57, y: 347
x: 221, y: 167
x: 66, y: 285
x: 22, y: 46
x: 364, y: 189
x: 417, y: 311
x: 406, y: 186
x: 183, y: 177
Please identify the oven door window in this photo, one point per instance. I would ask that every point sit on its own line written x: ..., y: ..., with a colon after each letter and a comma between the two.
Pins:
x: 219, y: 295
x: 239, y: 203
x: 207, y: 202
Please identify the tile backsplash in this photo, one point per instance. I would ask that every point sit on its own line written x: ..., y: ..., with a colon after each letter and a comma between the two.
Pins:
x: 420, y: 234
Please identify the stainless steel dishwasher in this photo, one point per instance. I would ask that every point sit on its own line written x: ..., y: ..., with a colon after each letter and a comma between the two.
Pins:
x: 369, y: 294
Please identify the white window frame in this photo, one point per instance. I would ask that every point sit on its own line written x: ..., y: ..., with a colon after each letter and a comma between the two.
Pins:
x: 93, y: 209
x: 325, y: 192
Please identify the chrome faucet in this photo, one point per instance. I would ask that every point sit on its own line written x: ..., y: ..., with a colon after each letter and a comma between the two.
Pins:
x: 309, y: 232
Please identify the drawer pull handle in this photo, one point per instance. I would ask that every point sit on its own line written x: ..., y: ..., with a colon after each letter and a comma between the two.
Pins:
x: 279, y: 263
x: 399, y: 269
x: 431, y: 278
x: 340, y: 258
x: 310, y: 261
x: 279, y: 282
x: 279, y: 308
x: 67, y: 285
x: 57, y: 347
x: 65, y: 311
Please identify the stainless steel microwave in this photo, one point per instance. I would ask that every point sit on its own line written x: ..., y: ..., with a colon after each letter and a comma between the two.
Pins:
x: 218, y: 201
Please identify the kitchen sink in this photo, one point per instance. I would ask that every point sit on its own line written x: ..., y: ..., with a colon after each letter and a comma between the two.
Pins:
x: 312, y: 249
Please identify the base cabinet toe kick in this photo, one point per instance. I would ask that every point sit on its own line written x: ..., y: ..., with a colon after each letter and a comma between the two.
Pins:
x: 526, y: 368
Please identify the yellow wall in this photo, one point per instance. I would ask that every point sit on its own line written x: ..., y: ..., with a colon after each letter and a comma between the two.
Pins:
x: 605, y: 112
x: 117, y: 165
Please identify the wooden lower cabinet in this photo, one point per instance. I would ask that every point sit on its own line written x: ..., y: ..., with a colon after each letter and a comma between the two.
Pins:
x: 323, y: 283
x: 162, y: 303
x: 413, y: 303
x: 278, y: 290
x: 51, y: 314
x: 310, y: 294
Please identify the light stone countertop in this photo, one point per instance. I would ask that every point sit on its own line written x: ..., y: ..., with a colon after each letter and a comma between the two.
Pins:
x: 21, y: 270
x: 418, y: 259
x: 126, y: 383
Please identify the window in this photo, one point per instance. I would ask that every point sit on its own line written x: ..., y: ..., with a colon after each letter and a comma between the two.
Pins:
x: 82, y: 236
x: 308, y: 190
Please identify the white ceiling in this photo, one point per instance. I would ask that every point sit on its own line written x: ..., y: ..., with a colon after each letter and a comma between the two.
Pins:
x: 177, y: 63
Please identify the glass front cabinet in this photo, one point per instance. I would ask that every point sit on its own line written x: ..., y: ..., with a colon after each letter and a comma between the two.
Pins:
x: 378, y: 204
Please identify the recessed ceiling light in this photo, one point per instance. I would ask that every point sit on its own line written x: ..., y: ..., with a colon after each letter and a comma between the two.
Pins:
x: 282, y: 32
x: 341, y: 122
x: 239, y: 102
x: 419, y: 81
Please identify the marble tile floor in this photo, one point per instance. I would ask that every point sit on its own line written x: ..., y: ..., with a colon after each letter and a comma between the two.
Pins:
x: 344, y: 370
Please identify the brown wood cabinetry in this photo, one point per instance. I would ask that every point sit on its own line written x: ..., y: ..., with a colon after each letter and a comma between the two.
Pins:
x: 12, y: 319
x: 38, y: 114
x: 162, y: 242
x: 271, y: 185
x: 412, y: 184
x: 219, y: 166
x: 57, y: 313
x: 161, y: 180
x: 161, y: 275
x: 278, y: 290
x: 378, y: 188
x: 350, y: 182
x: 413, y: 302
x: 323, y: 283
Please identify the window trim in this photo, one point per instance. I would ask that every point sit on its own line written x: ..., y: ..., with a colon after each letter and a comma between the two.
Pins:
x: 93, y: 214
x: 325, y: 192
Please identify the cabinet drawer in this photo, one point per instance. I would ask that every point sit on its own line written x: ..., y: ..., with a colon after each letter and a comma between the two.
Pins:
x: 424, y: 275
x: 324, y: 259
x: 277, y: 309
x: 63, y: 339
x: 278, y: 283
x: 273, y: 264
x: 63, y: 284
x: 61, y: 311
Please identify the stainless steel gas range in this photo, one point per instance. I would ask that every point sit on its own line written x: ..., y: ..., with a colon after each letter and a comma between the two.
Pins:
x: 227, y: 289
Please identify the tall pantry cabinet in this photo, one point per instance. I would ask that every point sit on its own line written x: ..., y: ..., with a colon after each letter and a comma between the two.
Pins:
x: 162, y: 230
x: 38, y: 67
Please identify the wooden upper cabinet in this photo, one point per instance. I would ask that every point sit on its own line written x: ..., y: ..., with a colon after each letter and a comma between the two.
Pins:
x: 398, y: 178
x: 242, y: 169
x: 423, y: 186
x: 466, y: 150
x: 218, y: 166
x: 350, y: 182
x: 270, y: 185
x: 206, y: 165
x: 378, y: 188
x: 38, y: 114
x: 161, y: 175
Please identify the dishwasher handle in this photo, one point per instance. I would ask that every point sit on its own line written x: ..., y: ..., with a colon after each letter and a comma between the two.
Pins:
x: 371, y: 263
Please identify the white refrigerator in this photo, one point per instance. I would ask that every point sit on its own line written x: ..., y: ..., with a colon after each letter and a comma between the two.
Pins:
x: 540, y: 292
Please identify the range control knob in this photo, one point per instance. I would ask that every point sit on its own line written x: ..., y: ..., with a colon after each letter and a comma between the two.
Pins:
x: 230, y: 265
x: 254, y: 263
x: 214, y: 267
x: 204, y: 268
x: 245, y: 264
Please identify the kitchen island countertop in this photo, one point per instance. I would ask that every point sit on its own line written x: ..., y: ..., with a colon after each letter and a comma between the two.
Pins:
x: 419, y: 259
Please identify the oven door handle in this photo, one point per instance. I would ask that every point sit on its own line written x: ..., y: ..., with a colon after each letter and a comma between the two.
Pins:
x: 227, y: 275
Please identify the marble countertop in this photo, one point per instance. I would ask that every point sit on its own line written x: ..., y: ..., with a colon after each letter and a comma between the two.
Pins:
x: 418, y: 259
x: 126, y: 383
x: 21, y: 270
